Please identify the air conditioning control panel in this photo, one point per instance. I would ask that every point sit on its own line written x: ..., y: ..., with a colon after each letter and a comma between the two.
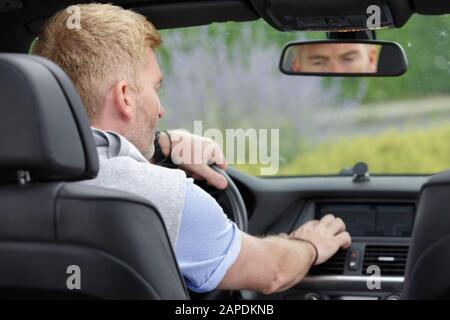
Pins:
x: 363, y: 259
x: 365, y: 271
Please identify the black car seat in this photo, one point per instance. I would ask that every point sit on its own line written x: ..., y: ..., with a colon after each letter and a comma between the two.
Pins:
x: 58, y: 237
x: 427, y: 272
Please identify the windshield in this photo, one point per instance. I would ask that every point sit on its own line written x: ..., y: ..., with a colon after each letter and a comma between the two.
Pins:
x: 225, y: 76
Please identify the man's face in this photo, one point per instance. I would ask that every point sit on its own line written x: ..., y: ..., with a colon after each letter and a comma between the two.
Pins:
x: 148, y: 108
x: 336, y: 58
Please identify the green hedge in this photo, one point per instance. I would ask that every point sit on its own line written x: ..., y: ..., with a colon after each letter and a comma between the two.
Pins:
x: 411, y: 151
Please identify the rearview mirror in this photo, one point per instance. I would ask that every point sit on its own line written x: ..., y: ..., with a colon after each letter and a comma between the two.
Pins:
x: 344, y: 58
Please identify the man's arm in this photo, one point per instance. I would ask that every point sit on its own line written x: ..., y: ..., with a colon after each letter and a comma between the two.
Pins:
x: 213, y: 253
x: 275, y: 264
x: 269, y: 264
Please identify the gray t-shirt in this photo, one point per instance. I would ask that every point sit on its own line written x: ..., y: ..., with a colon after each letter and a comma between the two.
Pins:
x: 205, y: 241
x: 124, y: 168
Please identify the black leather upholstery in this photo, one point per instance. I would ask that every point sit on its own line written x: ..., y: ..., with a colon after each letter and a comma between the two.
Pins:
x: 43, y: 127
x: 431, y: 6
x: 427, y: 273
x: 47, y: 224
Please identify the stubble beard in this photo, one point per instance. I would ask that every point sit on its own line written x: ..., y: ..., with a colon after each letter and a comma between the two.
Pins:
x: 145, y: 134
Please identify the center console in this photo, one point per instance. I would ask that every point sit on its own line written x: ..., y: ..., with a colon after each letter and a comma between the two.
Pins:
x: 374, y: 266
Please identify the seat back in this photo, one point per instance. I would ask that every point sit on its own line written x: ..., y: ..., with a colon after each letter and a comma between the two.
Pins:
x: 427, y: 272
x: 60, y: 238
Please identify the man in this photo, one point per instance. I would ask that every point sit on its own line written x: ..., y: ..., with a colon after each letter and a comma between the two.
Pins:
x: 113, y: 66
x: 335, y: 58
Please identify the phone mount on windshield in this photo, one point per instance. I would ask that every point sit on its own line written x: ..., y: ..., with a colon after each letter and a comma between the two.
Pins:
x: 361, y: 172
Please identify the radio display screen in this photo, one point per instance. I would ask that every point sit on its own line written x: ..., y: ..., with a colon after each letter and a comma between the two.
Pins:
x: 372, y: 220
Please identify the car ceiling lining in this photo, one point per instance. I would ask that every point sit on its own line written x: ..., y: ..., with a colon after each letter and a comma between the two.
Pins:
x: 24, y: 22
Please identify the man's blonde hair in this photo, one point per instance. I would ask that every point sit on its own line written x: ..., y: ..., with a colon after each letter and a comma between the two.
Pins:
x: 111, y: 45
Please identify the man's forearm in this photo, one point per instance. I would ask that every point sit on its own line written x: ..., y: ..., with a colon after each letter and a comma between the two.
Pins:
x: 295, y: 260
x: 275, y: 264
x: 269, y: 265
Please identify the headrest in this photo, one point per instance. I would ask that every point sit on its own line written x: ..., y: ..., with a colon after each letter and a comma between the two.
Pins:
x: 440, y: 178
x: 44, y: 130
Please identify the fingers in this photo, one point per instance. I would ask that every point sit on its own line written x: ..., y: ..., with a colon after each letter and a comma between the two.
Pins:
x: 327, y: 220
x: 222, y: 165
x: 204, y: 172
x: 337, y: 226
x: 214, y: 178
x: 344, y: 240
x: 218, y: 158
x: 195, y: 153
x: 314, y: 222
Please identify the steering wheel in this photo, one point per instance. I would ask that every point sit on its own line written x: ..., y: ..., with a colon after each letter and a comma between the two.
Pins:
x: 233, y: 206
x: 229, y: 199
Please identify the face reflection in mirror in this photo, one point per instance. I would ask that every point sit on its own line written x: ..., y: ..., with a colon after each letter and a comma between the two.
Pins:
x: 334, y: 58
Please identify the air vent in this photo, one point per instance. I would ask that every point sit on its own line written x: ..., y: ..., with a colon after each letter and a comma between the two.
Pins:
x: 390, y: 259
x: 333, y: 266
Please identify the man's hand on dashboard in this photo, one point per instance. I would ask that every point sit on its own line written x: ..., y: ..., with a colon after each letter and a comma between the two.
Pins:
x: 277, y: 263
x: 327, y: 234
x: 194, y: 154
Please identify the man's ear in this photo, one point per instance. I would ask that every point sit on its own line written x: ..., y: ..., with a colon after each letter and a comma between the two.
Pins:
x: 373, y: 59
x: 123, y: 99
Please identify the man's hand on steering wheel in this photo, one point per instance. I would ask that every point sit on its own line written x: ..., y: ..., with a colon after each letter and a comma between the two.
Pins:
x: 194, y: 154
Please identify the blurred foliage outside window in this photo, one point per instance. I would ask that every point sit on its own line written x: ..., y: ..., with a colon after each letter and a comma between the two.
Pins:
x: 227, y: 76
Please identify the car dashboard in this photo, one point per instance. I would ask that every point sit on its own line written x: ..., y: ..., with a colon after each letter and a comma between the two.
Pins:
x: 373, y: 267
x: 379, y: 215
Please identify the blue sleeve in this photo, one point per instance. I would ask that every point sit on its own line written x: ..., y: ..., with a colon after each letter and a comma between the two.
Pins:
x: 208, y: 242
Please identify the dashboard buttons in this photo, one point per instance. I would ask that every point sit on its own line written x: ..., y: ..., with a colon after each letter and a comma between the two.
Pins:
x: 353, y: 260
